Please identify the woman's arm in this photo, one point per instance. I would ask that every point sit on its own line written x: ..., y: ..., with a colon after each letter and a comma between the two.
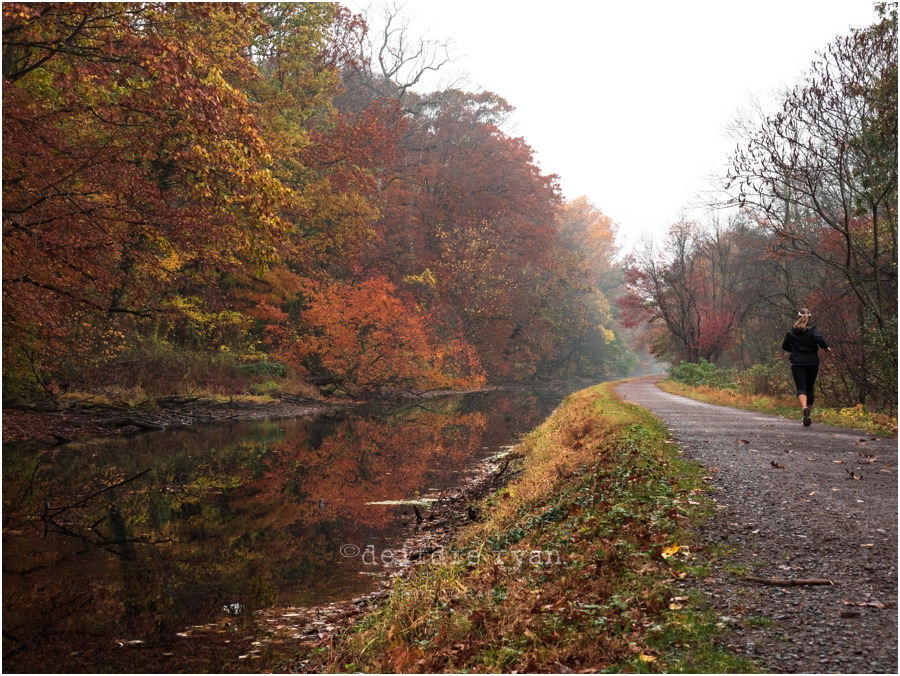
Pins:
x: 820, y: 340
x: 786, y: 343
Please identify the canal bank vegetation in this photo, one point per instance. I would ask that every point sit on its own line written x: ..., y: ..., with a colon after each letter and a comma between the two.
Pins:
x: 768, y: 388
x: 574, y: 565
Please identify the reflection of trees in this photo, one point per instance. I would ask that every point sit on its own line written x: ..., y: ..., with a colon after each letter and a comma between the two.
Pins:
x: 363, y: 461
x: 237, y: 511
x: 238, y: 516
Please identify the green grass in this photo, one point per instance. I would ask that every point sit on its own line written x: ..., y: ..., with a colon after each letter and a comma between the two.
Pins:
x: 758, y: 622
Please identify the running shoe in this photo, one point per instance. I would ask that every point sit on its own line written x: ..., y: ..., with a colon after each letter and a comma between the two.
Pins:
x: 807, y: 421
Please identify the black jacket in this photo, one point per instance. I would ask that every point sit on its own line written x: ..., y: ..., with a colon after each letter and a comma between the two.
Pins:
x: 804, y: 347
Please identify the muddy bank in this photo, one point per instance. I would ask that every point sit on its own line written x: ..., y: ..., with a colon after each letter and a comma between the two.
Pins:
x: 56, y: 422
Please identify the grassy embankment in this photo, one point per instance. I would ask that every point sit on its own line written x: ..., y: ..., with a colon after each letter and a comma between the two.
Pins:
x: 857, y: 418
x: 571, y: 565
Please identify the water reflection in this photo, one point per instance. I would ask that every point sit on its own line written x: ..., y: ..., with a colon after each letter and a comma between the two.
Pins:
x: 112, y: 548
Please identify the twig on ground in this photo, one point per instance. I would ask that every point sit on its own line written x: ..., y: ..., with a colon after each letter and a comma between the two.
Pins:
x: 779, y: 582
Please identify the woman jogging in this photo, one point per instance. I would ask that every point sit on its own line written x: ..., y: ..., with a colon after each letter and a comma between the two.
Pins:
x: 803, y: 342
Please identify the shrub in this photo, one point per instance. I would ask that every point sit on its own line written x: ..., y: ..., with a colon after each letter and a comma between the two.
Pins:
x: 271, y: 369
x: 704, y: 374
x: 769, y: 379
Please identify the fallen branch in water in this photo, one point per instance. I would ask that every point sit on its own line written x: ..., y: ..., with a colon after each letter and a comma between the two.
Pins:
x: 134, y: 422
x: 779, y: 582
x: 53, y: 512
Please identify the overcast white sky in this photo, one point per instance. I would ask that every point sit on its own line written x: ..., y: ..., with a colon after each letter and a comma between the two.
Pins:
x: 628, y: 102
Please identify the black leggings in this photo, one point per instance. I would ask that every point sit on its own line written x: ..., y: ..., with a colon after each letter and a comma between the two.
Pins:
x: 805, y: 379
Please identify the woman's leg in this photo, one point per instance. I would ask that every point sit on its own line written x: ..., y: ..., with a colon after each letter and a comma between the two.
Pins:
x: 799, y: 373
x: 803, y: 392
x: 811, y: 373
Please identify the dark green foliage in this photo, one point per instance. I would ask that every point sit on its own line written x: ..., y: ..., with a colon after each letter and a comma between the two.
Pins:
x: 272, y: 369
x: 704, y: 373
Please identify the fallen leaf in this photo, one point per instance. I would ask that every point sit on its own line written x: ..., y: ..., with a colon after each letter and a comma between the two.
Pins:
x: 754, y: 532
x: 868, y: 545
x: 837, y: 461
x: 646, y: 658
x: 813, y: 493
x: 776, y: 465
x: 741, y: 441
x: 849, y: 613
x: 675, y: 606
x: 853, y: 476
x: 810, y: 458
x: 867, y: 458
x: 670, y: 551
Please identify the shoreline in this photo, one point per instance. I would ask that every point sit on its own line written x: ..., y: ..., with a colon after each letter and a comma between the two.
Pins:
x: 60, y: 423
x: 56, y: 423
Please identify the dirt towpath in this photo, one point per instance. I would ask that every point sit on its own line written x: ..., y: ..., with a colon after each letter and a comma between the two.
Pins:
x: 808, y: 519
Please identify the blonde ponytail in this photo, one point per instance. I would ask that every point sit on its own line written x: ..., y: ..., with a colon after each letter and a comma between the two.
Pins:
x: 802, y: 323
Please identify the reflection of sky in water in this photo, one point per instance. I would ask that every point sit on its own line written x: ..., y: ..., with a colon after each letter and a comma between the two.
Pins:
x: 252, y: 514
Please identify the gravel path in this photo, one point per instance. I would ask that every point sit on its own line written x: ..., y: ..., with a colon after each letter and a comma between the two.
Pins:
x: 808, y: 519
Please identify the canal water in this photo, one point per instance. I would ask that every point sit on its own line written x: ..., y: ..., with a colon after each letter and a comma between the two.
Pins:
x: 114, y: 549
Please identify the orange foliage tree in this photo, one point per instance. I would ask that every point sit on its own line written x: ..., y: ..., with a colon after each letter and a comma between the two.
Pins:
x: 364, y: 337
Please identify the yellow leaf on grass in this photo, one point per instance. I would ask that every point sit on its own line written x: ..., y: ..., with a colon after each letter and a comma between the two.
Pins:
x: 670, y: 551
x: 647, y: 658
x: 675, y: 606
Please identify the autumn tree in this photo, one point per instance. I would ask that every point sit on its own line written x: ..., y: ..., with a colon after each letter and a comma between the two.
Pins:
x: 128, y: 156
x: 821, y: 176
x: 586, y: 261
x: 821, y: 173
x: 695, y: 286
x: 363, y: 338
